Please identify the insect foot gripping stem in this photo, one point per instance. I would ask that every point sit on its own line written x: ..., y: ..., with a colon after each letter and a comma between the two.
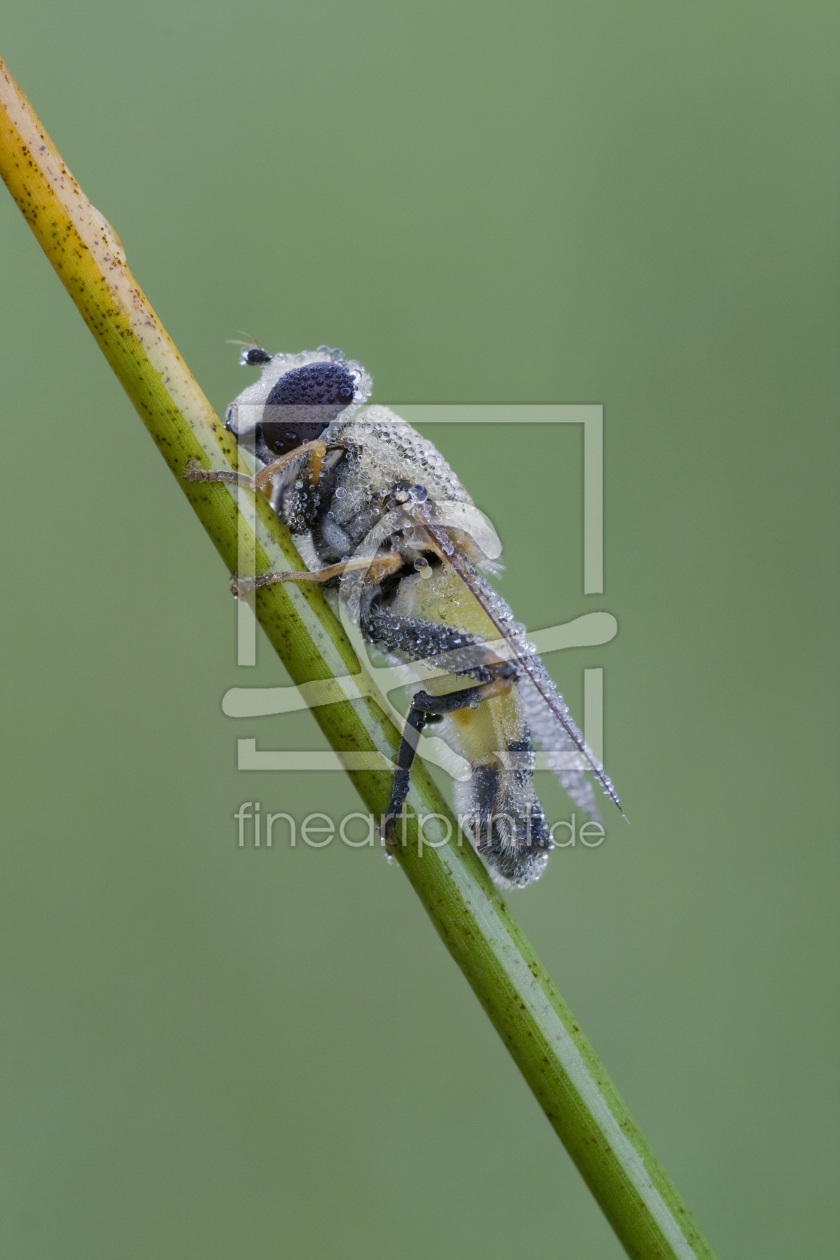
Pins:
x: 376, y: 568
x: 193, y: 472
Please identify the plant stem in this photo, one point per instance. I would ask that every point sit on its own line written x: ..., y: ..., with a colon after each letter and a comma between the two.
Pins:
x: 558, y: 1062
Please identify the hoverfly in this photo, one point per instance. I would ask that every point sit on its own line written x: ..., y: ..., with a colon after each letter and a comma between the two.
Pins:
x: 398, y: 538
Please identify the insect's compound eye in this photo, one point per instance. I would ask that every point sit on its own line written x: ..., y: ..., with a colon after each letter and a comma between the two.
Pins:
x: 302, y: 404
x: 314, y: 385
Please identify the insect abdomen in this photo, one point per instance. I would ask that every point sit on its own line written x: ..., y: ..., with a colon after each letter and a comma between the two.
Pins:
x: 500, y: 808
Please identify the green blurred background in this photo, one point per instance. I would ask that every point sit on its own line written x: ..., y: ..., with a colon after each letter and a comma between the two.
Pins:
x: 213, y: 1052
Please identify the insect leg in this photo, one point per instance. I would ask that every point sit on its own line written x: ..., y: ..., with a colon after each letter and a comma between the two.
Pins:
x: 378, y: 568
x: 423, y: 709
x: 312, y: 452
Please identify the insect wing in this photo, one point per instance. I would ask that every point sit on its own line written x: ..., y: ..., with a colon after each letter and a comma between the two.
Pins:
x: 469, y: 520
x: 536, y: 684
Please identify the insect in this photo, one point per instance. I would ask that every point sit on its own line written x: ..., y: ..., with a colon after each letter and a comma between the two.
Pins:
x: 397, y: 537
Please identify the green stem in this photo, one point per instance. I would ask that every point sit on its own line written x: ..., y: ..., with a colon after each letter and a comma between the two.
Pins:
x: 558, y: 1062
